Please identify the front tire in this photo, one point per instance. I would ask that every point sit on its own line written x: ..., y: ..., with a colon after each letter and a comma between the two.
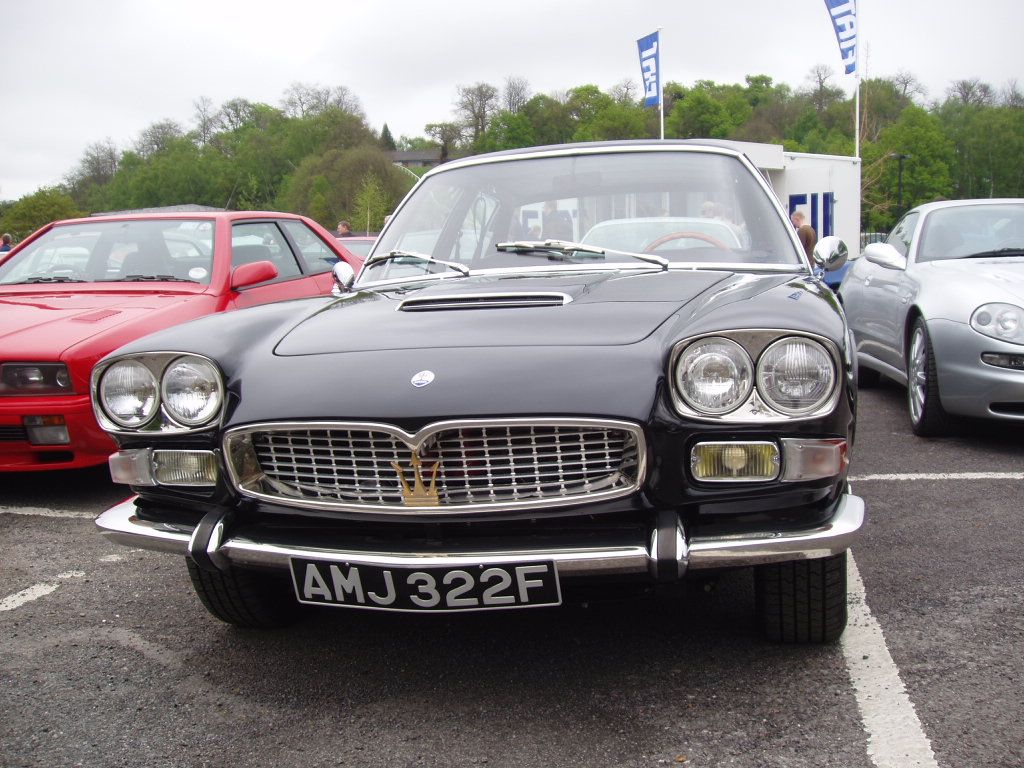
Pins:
x: 246, y: 599
x: 801, y: 601
x: 927, y: 417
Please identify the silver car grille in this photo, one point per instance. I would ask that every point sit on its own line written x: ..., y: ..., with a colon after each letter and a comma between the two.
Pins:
x: 447, y: 468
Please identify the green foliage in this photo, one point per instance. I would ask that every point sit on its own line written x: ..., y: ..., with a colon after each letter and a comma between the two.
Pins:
x: 31, y: 212
x: 928, y: 158
x: 372, y: 204
x: 326, y: 187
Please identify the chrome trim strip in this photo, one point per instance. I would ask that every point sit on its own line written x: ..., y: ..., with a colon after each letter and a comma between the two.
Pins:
x: 413, y: 441
x: 513, y: 299
x: 122, y: 525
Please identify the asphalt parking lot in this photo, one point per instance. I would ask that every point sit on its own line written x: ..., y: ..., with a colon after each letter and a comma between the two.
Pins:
x: 107, y: 659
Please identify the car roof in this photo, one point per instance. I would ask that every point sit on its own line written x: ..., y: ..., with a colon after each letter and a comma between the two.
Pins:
x: 180, y: 215
x: 925, y: 208
x: 593, y: 147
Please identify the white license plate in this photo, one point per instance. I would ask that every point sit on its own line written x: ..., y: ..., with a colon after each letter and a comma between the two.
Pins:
x: 411, y: 588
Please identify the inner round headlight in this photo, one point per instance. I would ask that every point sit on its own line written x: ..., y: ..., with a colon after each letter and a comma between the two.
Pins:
x: 191, y: 391
x: 795, y: 375
x: 714, y: 375
x: 129, y: 393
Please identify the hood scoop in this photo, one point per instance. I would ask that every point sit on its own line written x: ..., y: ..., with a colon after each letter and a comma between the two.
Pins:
x: 511, y: 300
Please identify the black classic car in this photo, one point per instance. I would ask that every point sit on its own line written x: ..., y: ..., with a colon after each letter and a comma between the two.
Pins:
x: 558, y: 370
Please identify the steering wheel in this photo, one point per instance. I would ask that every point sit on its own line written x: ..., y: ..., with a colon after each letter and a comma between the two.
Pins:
x: 651, y: 246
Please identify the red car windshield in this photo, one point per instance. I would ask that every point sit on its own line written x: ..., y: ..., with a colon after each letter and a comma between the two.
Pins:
x: 136, y: 250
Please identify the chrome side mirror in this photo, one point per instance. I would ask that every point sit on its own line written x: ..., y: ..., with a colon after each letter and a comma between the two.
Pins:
x: 830, y: 253
x: 344, y: 276
x: 884, y: 255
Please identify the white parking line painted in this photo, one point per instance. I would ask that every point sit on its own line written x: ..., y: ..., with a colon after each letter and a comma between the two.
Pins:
x: 943, y: 476
x: 896, y: 738
x: 44, y: 512
x: 36, y: 591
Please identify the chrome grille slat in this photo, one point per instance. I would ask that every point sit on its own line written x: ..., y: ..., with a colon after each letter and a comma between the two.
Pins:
x: 481, y: 465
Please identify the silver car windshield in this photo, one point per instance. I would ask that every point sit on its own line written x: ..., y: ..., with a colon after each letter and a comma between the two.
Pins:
x: 973, y: 231
x: 679, y: 207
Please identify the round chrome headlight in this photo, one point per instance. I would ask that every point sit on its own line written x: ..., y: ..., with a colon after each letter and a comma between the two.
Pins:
x: 129, y: 394
x: 795, y: 375
x: 714, y: 375
x: 191, y: 391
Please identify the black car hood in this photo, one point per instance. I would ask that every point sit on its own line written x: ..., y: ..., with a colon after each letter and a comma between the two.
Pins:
x: 588, y: 309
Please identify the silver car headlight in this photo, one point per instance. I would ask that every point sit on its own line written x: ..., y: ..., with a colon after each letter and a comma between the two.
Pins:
x: 191, y: 391
x: 795, y: 375
x: 129, y: 393
x: 1000, y: 321
x: 714, y: 375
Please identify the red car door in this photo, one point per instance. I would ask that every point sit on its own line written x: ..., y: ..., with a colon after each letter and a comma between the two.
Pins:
x: 253, y: 241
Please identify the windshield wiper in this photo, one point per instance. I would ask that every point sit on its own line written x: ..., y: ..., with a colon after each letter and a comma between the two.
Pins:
x: 461, y: 269
x: 564, y: 247
x: 51, y: 279
x: 150, y: 279
x: 998, y: 252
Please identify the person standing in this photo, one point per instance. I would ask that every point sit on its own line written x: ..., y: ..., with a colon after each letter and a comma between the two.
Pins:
x: 344, y: 229
x: 5, y: 245
x: 804, y: 231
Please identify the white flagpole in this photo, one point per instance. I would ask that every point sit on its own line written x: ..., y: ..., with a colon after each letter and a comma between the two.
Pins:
x: 661, y: 85
x: 856, y: 59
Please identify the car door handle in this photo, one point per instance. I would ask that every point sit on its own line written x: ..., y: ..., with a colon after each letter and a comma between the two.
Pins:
x: 867, y: 280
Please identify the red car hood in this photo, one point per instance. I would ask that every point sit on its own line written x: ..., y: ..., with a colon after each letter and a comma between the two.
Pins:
x: 43, y: 326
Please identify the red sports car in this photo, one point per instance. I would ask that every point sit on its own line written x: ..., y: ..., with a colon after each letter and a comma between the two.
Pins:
x: 77, y: 289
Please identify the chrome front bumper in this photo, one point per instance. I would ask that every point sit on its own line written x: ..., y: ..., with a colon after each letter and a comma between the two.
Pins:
x: 666, y: 555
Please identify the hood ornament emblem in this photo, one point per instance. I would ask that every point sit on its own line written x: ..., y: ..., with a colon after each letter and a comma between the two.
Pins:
x: 422, y: 378
x: 420, y: 495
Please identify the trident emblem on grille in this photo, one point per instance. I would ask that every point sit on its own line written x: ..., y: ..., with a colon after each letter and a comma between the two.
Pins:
x: 419, y: 495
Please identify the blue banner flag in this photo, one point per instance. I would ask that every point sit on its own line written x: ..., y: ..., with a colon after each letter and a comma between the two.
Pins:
x: 844, y: 19
x: 649, y: 58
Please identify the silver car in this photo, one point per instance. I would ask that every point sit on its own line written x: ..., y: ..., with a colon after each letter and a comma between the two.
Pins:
x: 939, y: 307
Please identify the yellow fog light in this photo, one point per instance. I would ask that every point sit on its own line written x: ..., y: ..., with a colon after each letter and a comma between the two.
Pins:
x: 185, y: 467
x: 753, y: 462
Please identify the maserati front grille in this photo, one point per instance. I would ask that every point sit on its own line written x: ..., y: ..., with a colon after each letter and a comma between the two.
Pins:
x: 446, y: 468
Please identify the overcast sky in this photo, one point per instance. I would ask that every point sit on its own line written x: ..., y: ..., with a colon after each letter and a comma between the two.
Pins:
x: 74, y: 73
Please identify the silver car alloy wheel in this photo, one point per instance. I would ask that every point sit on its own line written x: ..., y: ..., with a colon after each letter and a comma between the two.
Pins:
x: 917, y: 376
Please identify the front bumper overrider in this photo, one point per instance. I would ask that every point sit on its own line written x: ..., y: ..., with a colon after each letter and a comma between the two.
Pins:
x: 666, y: 554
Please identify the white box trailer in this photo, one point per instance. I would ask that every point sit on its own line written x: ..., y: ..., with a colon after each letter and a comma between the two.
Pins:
x: 826, y: 188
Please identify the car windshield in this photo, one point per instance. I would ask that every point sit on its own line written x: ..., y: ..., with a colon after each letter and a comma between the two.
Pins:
x: 963, y: 231
x: 136, y: 250
x: 696, y: 208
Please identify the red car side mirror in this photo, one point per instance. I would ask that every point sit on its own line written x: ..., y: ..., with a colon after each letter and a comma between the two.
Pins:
x: 252, y: 273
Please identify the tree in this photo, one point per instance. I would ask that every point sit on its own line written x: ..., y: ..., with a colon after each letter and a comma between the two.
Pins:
x: 927, y: 159
x: 447, y: 135
x: 508, y: 130
x: 908, y: 86
x: 475, y: 104
x: 206, y: 117
x: 304, y: 100
x: 971, y: 93
x: 387, y: 141
x: 158, y: 136
x: 515, y: 94
x: 372, y: 204
x: 820, y: 92
x: 31, y: 212
x: 326, y: 186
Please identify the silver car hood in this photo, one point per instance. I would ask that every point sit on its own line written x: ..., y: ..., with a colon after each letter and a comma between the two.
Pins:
x: 992, y: 279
